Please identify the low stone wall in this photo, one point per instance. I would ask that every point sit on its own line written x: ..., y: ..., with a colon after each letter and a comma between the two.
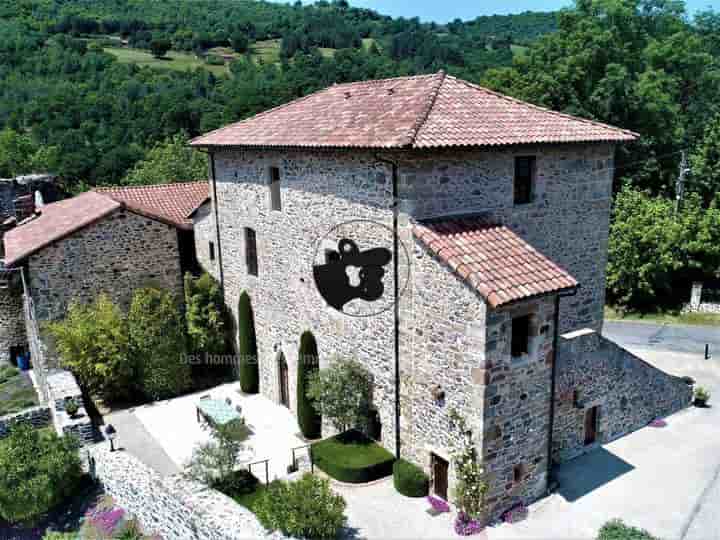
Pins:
x: 699, y: 304
x: 38, y: 417
x: 593, y: 371
x: 61, y: 386
x: 174, y: 507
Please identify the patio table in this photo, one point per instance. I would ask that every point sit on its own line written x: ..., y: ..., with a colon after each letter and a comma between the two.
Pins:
x: 216, y: 411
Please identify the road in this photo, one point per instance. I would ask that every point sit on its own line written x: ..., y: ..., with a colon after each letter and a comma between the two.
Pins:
x: 664, y: 337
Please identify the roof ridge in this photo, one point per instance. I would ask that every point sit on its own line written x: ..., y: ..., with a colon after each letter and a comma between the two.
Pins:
x: 101, y: 189
x: 259, y: 115
x: 422, y: 118
x: 543, y: 109
x: 371, y: 82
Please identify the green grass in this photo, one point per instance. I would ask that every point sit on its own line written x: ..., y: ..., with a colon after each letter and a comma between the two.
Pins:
x: 16, y: 391
x: 352, y: 457
x: 267, y: 50
x: 173, y: 61
x: 518, y: 50
x: 249, y: 500
x: 660, y: 317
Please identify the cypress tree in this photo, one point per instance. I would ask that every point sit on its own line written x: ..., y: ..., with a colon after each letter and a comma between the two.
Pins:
x: 247, y: 346
x: 308, y: 362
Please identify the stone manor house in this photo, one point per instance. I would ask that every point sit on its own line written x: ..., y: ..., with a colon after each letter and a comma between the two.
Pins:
x: 496, y: 213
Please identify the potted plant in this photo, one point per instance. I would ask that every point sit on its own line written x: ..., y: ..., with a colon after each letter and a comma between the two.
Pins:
x: 71, y: 407
x: 702, y: 396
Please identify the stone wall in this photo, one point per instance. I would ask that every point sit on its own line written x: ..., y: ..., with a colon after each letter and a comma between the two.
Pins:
x: 205, y: 232
x: 116, y: 255
x: 63, y: 386
x: 12, y: 323
x: 703, y: 300
x: 630, y: 393
x: 38, y: 417
x: 173, y: 507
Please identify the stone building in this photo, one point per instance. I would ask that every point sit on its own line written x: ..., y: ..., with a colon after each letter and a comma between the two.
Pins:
x: 109, y: 241
x: 495, y: 213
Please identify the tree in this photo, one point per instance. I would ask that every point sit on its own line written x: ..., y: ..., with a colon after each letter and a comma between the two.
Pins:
x: 247, y: 346
x: 342, y: 393
x: 205, y: 315
x: 705, y: 164
x: 38, y: 470
x: 239, y: 42
x: 160, y: 47
x: 157, y: 343
x: 92, y: 342
x: 308, y: 363
x: 214, y: 462
x: 170, y: 161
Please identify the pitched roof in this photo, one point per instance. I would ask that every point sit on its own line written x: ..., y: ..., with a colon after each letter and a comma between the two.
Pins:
x: 170, y: 203
x: 56, y: 221
x: 425, y: 111
x: 499, y: 264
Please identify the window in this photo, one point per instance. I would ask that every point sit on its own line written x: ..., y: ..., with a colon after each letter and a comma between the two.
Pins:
x: 524, y: 179
x: 520, y: 335
x: 211, y: 249
x: 251, y: 252
x: 331, y: 256
x: 275, y: 203
x: 518, y: 473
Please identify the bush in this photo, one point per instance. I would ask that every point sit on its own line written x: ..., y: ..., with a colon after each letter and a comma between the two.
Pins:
x: 214, y: 463
x: 308, y: 417
x: 38, y: 470
x: 247, y: 346
x: 92, y: 342
x: 352, y: 457
x: 157, y: 343
x: 409, y: 479
x: 701, y: 395
x: 205, y: 315
x: 160, y: 47
x: 307, y: 508
x: 237, y: 483
x: 617, y: 530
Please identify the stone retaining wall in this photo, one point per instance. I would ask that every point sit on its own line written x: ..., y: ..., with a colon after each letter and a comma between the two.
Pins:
x: 630, y: 393
x: 175, y: 508
x: 38, y: 417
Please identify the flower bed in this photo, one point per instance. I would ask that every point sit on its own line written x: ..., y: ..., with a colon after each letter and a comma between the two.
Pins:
x: 466, y: 526
x: 352, y: 457
x: 438, y: 504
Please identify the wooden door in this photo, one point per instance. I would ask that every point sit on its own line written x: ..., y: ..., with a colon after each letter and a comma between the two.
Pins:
x: 440, y: 468
x: 284, y: 390
x: 591, y: 421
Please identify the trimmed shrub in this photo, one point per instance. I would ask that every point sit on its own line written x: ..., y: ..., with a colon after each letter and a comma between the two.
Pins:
x: 617, y: 530
x: 307, y: 508
x: 352, y: 457
x: 157, y: 343
x: 38, y: 470
x: 409, y: 479
x: 308, y: 363
x: 240, y: 482
x: 247, y: 346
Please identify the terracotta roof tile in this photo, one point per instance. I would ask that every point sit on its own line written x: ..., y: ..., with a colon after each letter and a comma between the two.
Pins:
x: 425, y: 111
x: 499, y: 264
x: 54, y: 222
x: 170, y: 203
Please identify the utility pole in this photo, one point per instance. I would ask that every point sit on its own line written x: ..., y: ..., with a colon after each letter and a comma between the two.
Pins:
x: 680, y: 183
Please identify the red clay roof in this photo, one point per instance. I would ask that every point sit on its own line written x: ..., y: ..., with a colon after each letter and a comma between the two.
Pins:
x: 170, y: 203
x: 499, y: 264
x: 425, y: 111
x: 56, y: 221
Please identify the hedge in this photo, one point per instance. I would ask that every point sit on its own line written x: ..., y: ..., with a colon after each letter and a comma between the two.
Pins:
x: 352, y: 457
x: 308, y: 418
x: 409, y: 479
x: 247, y: 346
x: 617, y: 530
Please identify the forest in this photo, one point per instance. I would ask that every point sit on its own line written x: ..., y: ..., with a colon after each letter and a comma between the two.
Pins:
x: 107, y: 91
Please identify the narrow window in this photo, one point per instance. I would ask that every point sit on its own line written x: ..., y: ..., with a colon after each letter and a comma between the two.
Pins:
x: 591, y: 423
x: 275, y: 203
x: 518, y: 473
x: 524, y: 179
x: 251, y: 252
x: 211, y: 248
x: 520, y: 335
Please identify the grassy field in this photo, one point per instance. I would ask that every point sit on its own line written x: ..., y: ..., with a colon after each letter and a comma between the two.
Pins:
x: 16, y: 391
x: 267, y: 50
x: 670, y: 317
x: 174, y: 60
x: 518, y: 50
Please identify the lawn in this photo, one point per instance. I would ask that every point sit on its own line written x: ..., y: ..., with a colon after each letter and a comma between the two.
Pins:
x: 670, y: 317
x: 267, y: 50
x: 16, y: 391
x: 249, y: 500
x: 352, y: 457
x: 174, y: 60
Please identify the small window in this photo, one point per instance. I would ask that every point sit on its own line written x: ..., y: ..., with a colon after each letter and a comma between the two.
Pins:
x: 211, y: 249
x: 518, y: 473
x: 275, y: 203
x: 251, y: 252
x: 524, y: 179
x: 520, y: 335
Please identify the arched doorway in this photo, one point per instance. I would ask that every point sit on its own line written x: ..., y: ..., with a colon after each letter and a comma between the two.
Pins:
x: 283, y: 380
